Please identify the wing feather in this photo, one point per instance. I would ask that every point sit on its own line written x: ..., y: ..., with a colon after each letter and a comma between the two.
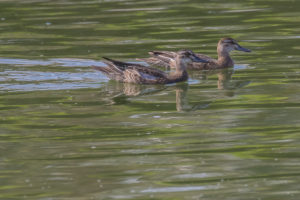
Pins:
x: 122, y: 66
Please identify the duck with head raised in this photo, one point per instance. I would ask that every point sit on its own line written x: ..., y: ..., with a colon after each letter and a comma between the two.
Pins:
x: 136, y: 73
x: 225, y: 46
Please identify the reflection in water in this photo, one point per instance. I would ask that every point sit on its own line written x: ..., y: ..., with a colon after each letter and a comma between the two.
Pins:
x: 223, y: 75
x: 119, y: 93
x: 223, y: 83
x: 181, y: 98
x: 224, y: 79
x: 136, y: 90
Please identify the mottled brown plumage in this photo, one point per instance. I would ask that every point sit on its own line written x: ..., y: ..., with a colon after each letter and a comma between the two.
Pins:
x: 225, y: 46
x: 136, y: 73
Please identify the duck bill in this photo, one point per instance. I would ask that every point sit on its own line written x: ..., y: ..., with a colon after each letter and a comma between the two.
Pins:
x: 197, y: 59
x: 240, y: 48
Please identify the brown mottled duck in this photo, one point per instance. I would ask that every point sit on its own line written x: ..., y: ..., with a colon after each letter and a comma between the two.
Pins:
x: 225, y: 46
x: 136, y: 73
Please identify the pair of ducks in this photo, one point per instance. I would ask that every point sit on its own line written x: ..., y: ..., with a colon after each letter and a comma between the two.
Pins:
x: 181, y: 61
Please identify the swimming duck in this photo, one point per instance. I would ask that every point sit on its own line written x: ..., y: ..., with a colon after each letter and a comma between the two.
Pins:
x: 225, y: 46
x: 136, y: 73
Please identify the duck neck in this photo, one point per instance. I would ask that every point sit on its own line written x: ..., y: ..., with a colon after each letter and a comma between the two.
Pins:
x: 180, y: 73
x: 178, y: 76
x: 181, y: 65
x: 224, y: 59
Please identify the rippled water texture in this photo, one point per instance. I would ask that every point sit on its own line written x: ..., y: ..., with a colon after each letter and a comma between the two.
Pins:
x: 69, y: 133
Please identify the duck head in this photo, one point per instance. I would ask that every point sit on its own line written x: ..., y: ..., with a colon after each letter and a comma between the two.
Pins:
x: 229, y: 44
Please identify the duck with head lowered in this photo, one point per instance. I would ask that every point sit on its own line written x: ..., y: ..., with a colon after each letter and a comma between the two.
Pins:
x: 225, y: 46
x: 136, y: 73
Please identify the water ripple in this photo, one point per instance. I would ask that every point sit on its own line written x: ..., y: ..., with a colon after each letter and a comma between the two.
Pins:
x: 178, y: 189
x: 65, y: 62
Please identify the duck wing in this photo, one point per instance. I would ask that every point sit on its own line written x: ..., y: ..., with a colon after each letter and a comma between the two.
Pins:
x: 154, y: 61
x: 163, y: 55
x: 211, y: 64
x: 167, y: 58
x: 119, y: 64
x: 204, y: 57
x: 160, y: 58
x: 152, y: 72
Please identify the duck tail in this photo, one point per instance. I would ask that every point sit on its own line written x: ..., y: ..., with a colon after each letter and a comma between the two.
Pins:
x: 115, y: 65
x: 105, y: 70
x: 119, y: 64
x: 110, y: 73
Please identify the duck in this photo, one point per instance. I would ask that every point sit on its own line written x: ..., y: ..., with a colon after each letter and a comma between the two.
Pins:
x: 225, y: 46
x: 140, y: 74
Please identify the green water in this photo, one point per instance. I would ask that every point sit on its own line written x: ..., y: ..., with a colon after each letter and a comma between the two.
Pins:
x: 67, y: 133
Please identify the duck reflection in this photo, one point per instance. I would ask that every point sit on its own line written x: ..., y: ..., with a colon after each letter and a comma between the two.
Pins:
x: 183, y: 103
x: 120, y: 93
x: 223, y: 75
x: 181, y: 97
x: 224, y: 80
x: 224, y: 83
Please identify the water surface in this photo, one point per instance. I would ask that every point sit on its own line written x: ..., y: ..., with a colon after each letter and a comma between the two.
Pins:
x: 67, y: 132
